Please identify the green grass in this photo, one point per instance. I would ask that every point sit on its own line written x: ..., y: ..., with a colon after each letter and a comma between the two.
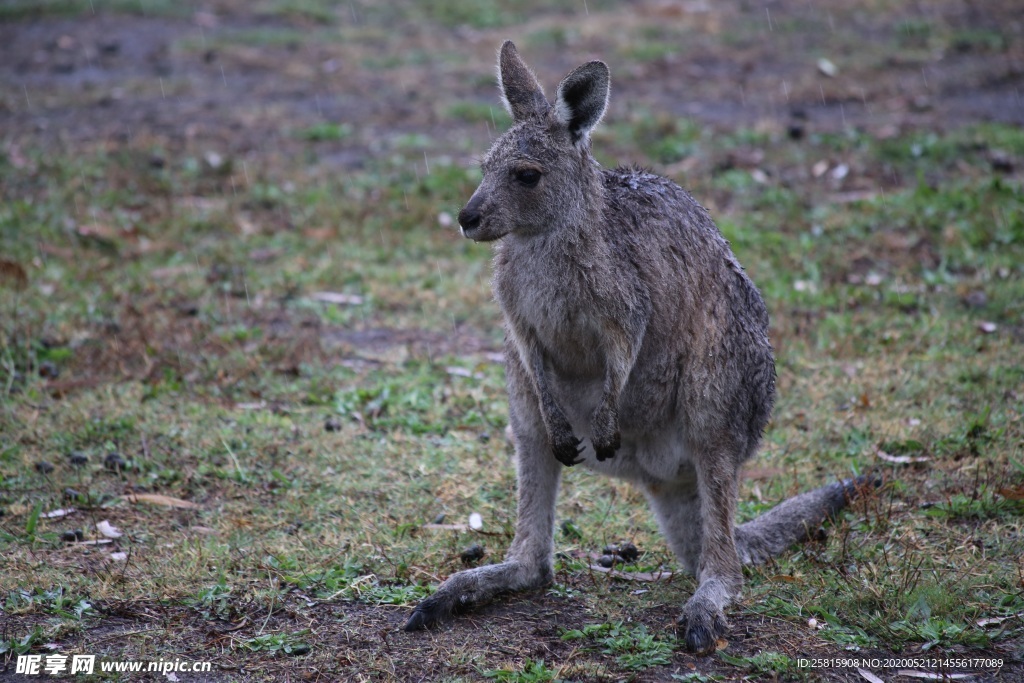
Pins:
x: 222, y: 403
x: 317, y: 460
x: 25, y: 9
x: 633, y: 647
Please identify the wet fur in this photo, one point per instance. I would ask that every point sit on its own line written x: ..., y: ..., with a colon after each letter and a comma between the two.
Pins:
x: 636, y: 346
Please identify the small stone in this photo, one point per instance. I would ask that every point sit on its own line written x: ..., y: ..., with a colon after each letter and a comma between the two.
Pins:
x: 439, y: 519
x: 72, y: 494
x: 115, y: 462
x: 109, y: 46
x: 78, y: 458
x: 72, y: 536
x: 49, y: 370
x: 921, y: 103
x: 628, y: 552
x: 332, y: 424
x: 976, y: 299
x: 1001, y: 161
x: 608, y: 561
x: 827, y: 68
x: 44, y: 467
x: 472, y: 554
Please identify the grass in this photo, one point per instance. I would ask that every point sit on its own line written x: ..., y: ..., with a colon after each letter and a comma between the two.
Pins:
x: 222, y: 403
x: 290, y: 472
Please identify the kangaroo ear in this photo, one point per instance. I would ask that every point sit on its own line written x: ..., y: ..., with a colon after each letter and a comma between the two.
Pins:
x: 520, y: 92
x: 583, y: 98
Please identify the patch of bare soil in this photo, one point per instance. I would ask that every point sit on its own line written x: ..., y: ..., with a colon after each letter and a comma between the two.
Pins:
x: 349, y: 640
x: 245, y: 84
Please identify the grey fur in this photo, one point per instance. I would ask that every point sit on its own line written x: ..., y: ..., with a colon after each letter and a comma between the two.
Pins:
x: 635, y: 345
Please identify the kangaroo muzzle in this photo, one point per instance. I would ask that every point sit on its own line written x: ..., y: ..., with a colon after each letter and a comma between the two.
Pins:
x: 471, y: 216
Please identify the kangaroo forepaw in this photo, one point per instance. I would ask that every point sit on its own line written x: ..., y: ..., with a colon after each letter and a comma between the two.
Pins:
x: 607, y: 438
x: 702, y: 624
x: 567, y: 451
x: 606, y: 449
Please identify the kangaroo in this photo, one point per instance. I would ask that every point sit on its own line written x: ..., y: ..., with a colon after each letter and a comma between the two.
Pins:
x: 635, y: 345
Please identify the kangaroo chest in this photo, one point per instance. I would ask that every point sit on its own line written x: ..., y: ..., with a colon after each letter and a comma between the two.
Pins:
x: 550, y: 303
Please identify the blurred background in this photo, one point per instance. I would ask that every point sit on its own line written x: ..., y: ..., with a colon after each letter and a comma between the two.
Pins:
x: 237, y: 320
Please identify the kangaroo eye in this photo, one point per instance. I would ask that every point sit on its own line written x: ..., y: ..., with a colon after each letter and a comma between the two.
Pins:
x: 528, y: 176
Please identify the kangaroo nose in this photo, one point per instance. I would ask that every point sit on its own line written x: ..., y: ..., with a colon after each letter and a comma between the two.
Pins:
x: 469, y: 217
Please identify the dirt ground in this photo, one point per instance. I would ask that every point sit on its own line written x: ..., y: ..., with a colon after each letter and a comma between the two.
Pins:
x: 107, y: 79
x: 243, y: 83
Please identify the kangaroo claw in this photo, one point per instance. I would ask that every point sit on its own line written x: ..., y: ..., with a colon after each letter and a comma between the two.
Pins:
x: 567, y: 452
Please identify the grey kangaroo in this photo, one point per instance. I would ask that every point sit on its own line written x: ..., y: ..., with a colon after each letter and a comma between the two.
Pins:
x: 635, y: 345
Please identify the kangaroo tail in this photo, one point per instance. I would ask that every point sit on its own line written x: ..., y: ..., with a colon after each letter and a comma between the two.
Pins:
x: 795, y: 519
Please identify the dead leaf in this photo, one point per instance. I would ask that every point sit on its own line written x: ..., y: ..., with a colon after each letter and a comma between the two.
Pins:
x: 14, y: 273
x: 60, y: 252
x: 459, y: 527
x: 321, y: 234
x: 1016, y: 493
x: 119, y: 556
x: 868, y: 676
x: 463, y: 372
x: 987, y: 327
x: 246, y: 226
x: 995, y: 621
x: 337, y: 298
x: 98, y: 231
x: 762, y: 473
x: 853, y: 196
x: 930, y: 676
x: 158, y: 499
x: 62, y: 512
x: 445, y: 527
x: 900, y: 459
x: 784, y: 577
x: 264, y: 255
x: 632, y: 576
x: 171, y: 271
x: 108, y: 530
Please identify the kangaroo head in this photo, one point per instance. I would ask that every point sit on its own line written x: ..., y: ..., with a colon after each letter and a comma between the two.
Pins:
x: 537, y: 175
